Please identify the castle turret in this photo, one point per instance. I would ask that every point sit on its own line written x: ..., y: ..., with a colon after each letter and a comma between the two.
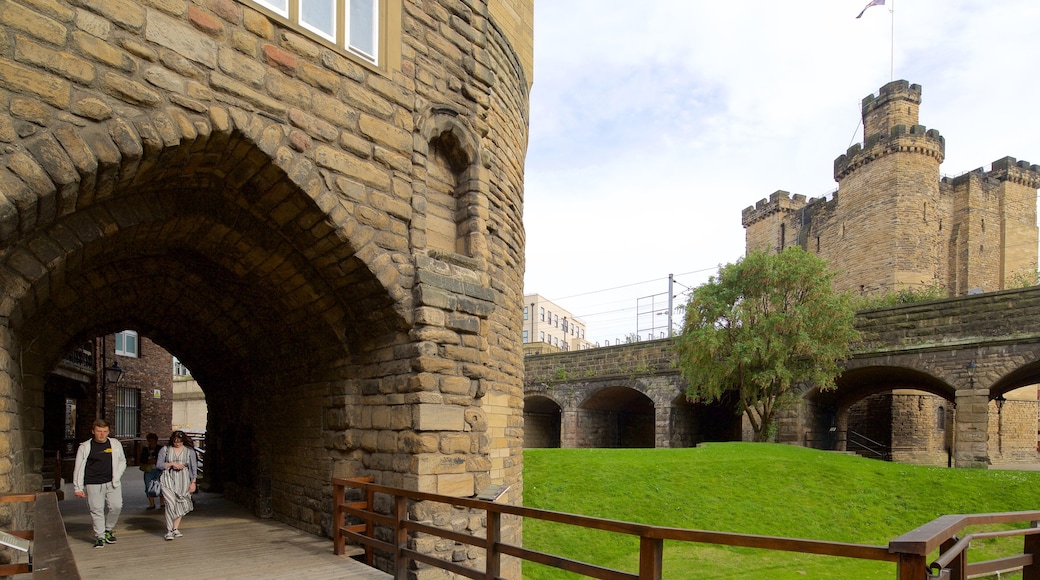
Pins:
x: 897, y: 103
x: 890, y: 126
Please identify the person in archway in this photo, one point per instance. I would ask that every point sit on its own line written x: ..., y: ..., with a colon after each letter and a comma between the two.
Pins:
x: 179, y: 465
x: 100, y: 463
x: 149, y: 455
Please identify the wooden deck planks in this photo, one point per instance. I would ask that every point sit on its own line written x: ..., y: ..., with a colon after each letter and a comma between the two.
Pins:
x: 221, y: 540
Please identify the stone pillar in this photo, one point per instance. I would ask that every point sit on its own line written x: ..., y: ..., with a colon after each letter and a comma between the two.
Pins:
x: 569, y: 429
x: 971, y: 428
x: 841, y: 431
x: 662, y: 425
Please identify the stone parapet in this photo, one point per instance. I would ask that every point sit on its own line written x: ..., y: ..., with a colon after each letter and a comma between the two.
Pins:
x: 778, y: 202
x: 900, y: 139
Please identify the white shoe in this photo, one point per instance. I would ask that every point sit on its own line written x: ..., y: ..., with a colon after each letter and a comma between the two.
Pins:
x: 177, y: 533
x: 169, y: 536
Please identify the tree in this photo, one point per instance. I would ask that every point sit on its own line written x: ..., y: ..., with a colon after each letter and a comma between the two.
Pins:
x: 759, y: 328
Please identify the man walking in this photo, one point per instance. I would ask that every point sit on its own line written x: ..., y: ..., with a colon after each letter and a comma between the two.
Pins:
x: 100, y: 463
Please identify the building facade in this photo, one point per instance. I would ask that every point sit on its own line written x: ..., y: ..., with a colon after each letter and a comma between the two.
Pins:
x: 136, y: 400
x: 549, y: 328
x: 894, y: 223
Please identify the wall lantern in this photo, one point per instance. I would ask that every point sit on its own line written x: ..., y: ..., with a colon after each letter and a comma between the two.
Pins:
x: 113, y: 373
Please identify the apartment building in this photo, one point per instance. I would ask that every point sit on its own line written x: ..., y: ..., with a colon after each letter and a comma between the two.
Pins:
x: 550, y: 328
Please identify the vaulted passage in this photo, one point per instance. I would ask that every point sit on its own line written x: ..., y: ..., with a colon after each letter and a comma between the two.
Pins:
x: 218, y: 257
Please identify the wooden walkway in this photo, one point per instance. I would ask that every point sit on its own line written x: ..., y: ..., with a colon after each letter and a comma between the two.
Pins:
x: 221, y: 540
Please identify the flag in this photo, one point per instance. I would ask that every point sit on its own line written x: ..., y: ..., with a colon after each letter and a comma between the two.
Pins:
x: 869, y: 4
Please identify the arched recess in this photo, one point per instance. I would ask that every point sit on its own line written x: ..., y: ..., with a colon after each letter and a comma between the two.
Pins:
x: 543, y: 420
x: 616, y: 417
x: 223, y: 244
x: 1014, y: 428
x: 883, y: 412
x: 695, y: 423
x: 455, y: 215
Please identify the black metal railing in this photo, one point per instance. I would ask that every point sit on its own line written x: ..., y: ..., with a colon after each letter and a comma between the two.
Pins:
x: 867, y: 447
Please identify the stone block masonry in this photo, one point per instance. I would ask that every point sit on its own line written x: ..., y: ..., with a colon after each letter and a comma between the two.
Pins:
x: 894, y: 224
x: 333, y: 246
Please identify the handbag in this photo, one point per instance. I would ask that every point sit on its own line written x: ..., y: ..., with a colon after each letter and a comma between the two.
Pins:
x: 146, y: 467
x: 154, y: 488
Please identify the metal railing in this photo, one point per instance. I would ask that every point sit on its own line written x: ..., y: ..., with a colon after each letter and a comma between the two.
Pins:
x: 867, y: 447
x: 952, y: 563
x: 908, y: 552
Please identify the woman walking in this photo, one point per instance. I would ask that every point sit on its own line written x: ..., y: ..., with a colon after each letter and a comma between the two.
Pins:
x: 149, y: 455
x: 180, y: 466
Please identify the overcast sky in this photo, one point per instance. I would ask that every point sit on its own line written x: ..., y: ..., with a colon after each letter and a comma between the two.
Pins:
x: 654, y: 123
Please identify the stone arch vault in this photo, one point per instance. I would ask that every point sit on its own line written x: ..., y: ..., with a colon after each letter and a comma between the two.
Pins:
x: 256, y: 203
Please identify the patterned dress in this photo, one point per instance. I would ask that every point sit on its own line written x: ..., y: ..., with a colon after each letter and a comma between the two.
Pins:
x: 175, y: 484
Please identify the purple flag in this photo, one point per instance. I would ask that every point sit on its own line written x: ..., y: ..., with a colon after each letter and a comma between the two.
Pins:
x: 869, y: 4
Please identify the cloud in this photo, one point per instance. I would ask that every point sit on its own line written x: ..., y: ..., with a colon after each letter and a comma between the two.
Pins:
x: 654, y: 124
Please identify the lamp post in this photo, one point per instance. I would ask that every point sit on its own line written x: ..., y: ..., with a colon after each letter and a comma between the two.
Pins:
x: 110, y: 374
x: 971, y: 374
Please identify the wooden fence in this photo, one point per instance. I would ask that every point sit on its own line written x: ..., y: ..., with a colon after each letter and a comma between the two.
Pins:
x: 908, y: 552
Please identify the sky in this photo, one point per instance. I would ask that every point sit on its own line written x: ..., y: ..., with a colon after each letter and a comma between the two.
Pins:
x: 654, y: 123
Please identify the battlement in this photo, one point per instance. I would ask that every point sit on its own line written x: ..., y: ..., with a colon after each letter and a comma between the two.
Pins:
x: 778, y: 201
x: 893, y: 91
x: 899, y: 139
x: 897, y: 103
x: 1004, y: 169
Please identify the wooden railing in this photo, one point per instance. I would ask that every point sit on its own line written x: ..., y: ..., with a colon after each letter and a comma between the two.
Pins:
x: 49, y: 554
x: 952, y: 563
x: 909, y: 552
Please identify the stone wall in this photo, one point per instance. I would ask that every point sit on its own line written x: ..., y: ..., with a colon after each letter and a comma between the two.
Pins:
x: 652, y: 357
x: 259, y: 203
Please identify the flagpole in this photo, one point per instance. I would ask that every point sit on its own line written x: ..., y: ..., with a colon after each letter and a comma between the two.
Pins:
x: 892, y: 38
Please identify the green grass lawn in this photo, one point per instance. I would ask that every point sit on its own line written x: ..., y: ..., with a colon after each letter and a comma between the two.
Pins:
x: 775, y: 490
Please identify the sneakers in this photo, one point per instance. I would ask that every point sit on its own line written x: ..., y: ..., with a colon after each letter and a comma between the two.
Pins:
x: 109, y: 537
x: 177, y: 533
x: 99, y: 543
x: 169, y: 536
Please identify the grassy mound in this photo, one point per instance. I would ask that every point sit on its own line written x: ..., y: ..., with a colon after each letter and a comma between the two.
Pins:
x: 776, y: 490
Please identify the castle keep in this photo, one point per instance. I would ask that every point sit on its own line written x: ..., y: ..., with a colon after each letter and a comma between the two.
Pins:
x: 894, y: 223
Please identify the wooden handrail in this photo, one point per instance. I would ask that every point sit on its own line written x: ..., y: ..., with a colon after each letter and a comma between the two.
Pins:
x: 909, y: 564
x: 908, y: 551
x: 51, y: 555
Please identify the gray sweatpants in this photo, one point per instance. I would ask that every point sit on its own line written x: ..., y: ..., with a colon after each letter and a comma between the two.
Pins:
x: 98, y: 494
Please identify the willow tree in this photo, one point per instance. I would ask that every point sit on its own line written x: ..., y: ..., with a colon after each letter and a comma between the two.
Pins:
x: 761, y: 327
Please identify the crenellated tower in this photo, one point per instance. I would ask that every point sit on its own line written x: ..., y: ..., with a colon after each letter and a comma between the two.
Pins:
x: 894, y: 224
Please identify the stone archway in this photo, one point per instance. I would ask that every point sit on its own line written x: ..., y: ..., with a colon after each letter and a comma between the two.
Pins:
x: 543, y: 422
x: 616, y: 417
x: 216, y: 254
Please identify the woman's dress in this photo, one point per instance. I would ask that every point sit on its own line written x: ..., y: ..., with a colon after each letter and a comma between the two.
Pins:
x: 175, y: 485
